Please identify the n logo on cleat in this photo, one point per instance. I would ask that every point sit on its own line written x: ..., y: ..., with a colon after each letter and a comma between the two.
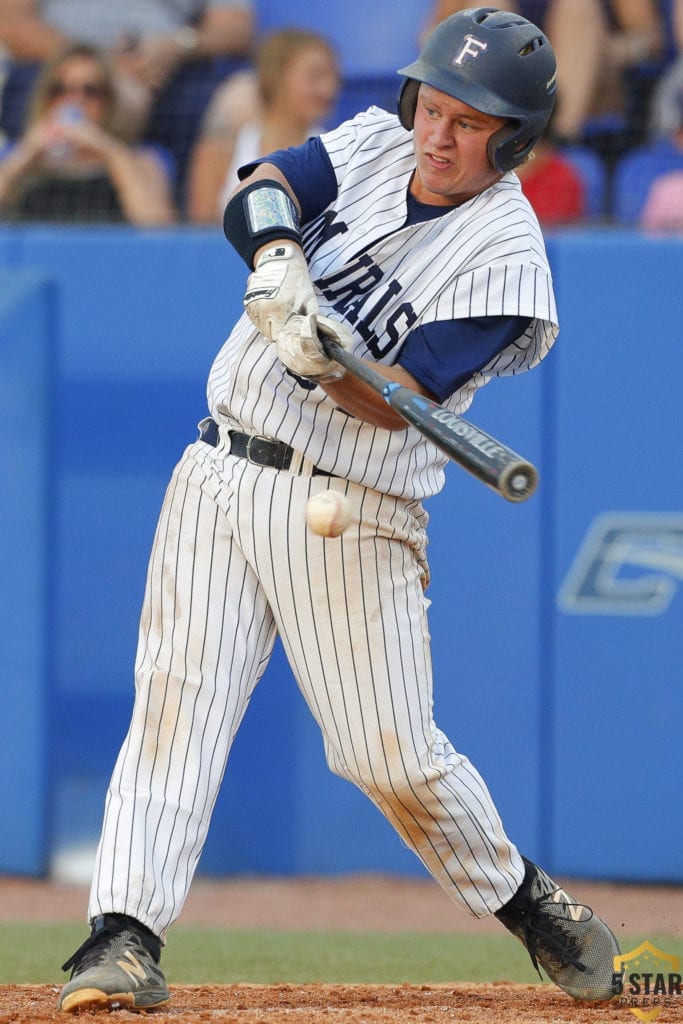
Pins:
x: 132, y: 967
x: 574, y: 910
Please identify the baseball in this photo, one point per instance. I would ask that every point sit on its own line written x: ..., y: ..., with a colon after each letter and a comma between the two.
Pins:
x: 328, y: 513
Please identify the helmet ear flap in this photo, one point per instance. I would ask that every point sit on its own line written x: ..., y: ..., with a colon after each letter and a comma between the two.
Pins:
x: 504, y: 149
x: 407, y: 102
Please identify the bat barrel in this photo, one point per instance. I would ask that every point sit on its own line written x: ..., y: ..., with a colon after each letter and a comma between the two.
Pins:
x: 482, y: 455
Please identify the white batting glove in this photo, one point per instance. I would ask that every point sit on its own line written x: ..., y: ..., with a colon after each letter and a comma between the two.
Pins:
x: 300, y: 350
x: 279, y: 287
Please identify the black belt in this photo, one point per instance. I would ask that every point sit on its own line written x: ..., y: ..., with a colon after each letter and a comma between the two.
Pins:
x: 262, y: 451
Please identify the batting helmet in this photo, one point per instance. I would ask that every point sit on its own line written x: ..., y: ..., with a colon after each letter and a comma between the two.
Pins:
x: 497, y: 62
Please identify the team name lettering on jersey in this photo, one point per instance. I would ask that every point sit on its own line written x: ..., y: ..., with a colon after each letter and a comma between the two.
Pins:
x: 332, y: 226
x: 356, y: 282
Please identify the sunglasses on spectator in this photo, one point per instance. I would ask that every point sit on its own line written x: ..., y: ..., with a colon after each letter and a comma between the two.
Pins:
x: 88, y: 90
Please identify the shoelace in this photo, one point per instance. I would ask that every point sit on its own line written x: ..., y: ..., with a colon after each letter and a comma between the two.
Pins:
x: 548, y: 930
x: 90, y: 952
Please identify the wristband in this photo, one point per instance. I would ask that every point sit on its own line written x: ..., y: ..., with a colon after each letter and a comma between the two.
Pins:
x: 262, y: 212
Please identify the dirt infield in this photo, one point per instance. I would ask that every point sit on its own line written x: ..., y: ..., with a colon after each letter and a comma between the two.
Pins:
x: 357, y: 903
x: 354, y: 1004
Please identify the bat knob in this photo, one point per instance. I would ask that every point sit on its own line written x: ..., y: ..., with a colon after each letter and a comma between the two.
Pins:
x: 519, y: 481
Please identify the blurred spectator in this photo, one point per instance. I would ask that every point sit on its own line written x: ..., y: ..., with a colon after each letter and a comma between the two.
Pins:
x: 283, y: 103
x: 149, y: 41
x: 635, y: 31
x: 635, y: 56
x: 665, y: 112
x: 639, y: 171
x: 663, y: 209
x: 69, y: 165
x: 553, y: 184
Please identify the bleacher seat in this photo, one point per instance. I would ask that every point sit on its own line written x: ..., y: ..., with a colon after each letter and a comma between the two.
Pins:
x: 594, y: 176
x: 635, y: 174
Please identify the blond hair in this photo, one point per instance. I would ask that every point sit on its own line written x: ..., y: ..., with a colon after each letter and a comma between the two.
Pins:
x: 278, y: 50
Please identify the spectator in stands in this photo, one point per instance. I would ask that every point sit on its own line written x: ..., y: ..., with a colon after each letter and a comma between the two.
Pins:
x: 287, y: 100
x: 663, y: 209
x: 665, y: 112
x: 635, y: 31
x: 69, y: 165
x: 552, y: 183
x: 640, y: 191
x: 635, y: 57
x: 149, y: 41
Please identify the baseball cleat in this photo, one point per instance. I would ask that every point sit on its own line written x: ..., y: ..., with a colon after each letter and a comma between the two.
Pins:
x: 572, y: 945
x: 115, y: 969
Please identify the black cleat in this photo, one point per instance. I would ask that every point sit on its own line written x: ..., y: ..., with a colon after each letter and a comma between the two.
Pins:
x: 572, y: 945
x: 116, y: 968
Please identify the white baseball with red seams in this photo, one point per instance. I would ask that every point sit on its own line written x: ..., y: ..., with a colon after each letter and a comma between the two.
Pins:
x: 328, y: 513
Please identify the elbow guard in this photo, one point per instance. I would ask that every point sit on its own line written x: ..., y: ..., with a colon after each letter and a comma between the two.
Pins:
x: 262, y: 212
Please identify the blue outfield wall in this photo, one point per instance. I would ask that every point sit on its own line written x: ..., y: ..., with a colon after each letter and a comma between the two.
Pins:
x: 557, y: 647
x: 27, y: 383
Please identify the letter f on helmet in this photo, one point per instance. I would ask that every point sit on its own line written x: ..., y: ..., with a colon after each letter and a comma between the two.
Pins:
x: 471, y: 47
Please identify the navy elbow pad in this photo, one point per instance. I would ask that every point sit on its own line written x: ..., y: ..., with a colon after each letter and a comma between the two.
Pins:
x: 262, y: 212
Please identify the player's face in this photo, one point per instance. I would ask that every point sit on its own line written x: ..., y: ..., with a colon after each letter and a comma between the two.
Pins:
x: 450, y: 141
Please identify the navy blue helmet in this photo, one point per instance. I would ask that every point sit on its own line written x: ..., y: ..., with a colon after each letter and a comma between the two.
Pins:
x: 497, y: 62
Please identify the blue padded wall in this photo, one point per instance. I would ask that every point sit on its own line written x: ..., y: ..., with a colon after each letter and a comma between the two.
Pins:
x: 618, y: 508
x: 565, y: 701
x: 27, y: 546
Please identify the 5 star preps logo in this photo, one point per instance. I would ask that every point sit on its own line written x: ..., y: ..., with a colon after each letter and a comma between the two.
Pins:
x: 647, y: 980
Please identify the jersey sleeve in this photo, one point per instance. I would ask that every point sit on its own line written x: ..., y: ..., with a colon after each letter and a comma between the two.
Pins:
x: 444, y: 355
x: 308, y: 170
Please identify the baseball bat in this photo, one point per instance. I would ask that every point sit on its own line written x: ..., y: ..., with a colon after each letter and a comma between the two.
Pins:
x: 482, y: 455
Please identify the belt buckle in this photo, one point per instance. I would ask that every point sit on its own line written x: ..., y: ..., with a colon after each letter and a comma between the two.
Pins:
x: 250, y: 440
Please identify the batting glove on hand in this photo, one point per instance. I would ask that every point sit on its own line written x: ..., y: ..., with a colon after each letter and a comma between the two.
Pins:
x: 279, y: 286
x: 299, y: 348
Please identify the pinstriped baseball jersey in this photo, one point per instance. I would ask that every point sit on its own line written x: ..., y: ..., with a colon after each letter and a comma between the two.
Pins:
x: 233, y: 564
x: 484, y: 258
x: 455, y: 295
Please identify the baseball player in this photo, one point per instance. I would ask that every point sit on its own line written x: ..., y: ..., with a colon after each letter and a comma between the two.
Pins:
x: 408, y: 239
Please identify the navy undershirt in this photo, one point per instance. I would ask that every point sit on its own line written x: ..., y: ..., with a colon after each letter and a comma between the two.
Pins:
x: 443, y: 355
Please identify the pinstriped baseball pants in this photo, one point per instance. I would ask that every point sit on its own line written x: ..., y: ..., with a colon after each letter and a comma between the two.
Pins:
x: 232, y: 565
